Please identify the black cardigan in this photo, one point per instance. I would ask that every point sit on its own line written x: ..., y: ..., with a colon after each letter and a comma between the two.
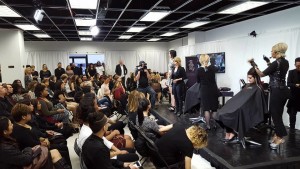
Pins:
x: 11, y: 157
x: 180, y: 73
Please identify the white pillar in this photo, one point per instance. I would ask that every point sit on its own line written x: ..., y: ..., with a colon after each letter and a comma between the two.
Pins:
x: 11, y: 55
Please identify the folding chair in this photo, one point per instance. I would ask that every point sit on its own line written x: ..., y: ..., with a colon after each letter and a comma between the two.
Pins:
x: 155, y: 156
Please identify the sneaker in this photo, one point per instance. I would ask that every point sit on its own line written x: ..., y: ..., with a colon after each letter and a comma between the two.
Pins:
x: 171, y: 108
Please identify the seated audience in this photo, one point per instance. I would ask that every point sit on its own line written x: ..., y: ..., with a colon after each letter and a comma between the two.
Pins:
x: 95, y: 153
x: 12, y: 157
x: 147, y: 124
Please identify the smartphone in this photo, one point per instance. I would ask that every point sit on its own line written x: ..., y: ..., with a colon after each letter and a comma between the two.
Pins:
x: 137, y: 164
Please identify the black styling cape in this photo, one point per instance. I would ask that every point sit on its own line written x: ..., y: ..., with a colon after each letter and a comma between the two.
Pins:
x: 244, y: 110
x: 192, y: 97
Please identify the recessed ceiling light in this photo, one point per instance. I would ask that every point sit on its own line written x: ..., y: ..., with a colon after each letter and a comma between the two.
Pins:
x: 41, y: 35
x: 27, y: 27
x: 153, y: 39
x: 195, y: 24
x: 125, y: 37
x: 83, y: 4
x: 155, y: 16
x: 169, y: 34
x: 243, y: 7
x: 84, y: 33
x: 136, y: 29
x: 85, y: 39
x: 85, y: 22
x: 7, y: 12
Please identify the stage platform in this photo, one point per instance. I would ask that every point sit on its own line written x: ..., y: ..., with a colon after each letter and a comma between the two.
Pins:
x: 234, y: 156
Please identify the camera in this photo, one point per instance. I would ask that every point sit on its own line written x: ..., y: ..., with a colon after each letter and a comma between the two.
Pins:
x: 142, y: 67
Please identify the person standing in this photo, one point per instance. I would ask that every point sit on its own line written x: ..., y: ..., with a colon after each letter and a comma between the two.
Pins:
x: 178, y: 76
x: 172, y: 55
x: 34, y: 73
x: 209, y: 92
x: 142, y: 76
x: 59, y: 71
x: 99, y: 68
x: 279, y: 91
x: 293, y: 81
x: 121, y: 70
x: 44, y: 73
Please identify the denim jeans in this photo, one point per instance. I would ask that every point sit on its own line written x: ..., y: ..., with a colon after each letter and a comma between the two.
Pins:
x: 151, y: 92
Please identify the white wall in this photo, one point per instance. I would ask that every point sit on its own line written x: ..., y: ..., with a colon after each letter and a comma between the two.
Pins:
x: 12, y: 53
x: 283, y: 26
x: 93, y: 47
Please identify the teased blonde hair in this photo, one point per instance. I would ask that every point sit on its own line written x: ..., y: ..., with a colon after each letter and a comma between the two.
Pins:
x: 133, y: 100
x: 204, y: 59
x: 280, y: 48
x: 198, y: 136
x: 178, y: 60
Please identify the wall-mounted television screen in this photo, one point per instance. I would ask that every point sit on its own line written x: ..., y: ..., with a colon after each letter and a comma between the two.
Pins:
x: 217, y: 59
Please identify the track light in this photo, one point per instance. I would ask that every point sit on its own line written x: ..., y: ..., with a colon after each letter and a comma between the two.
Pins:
x: 39, y: 15
x: 94, y: 30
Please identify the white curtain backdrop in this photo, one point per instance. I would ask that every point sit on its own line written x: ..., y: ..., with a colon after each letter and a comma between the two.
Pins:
x: 156, y: 60
x: 50, y: 58
x: 112, y: 58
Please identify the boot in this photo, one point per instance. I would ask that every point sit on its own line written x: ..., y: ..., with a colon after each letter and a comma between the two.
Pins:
x: 62, y: 164
x: 179, y: 111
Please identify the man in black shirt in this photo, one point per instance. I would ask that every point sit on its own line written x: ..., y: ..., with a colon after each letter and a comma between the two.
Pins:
x: 121, y: 70
x: 178, y: 144
x: 59, y: 71
x: 4, y: 107
x: 293, y: 82
x: 142, y: 76
x: 95, y: 153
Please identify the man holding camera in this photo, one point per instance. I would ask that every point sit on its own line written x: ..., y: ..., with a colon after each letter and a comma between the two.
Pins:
x: 142, y: 76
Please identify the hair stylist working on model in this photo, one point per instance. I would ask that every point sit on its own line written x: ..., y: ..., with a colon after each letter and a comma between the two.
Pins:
x: 279, y: 92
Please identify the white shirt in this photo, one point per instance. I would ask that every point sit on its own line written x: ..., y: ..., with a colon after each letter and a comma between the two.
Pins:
x: 85, y: 132
x: 163, y: 83
x: 100, y: 69
x: 122, y: 70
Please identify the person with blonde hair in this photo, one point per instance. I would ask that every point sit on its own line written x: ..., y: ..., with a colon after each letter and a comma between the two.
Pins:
x: 178, y: 76
x: 28, y: 76
x: 179, y: 149
x: 279, y: 92
x: 209, y: 92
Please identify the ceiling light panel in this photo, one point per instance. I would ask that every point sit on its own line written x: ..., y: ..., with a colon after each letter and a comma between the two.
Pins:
x: 243, y: 7
x: 154, y: 16
x: 83, y: 4
x: 7, y: 12
x: 84, y: 33
x: 153, y: 39
x: 136, y: 29
x: 125, y: 37
x: 85, y: 39
x: 195, y: 24
x: 169, y: 34
x: 27, y: 27
x: 41, y: 35
x: 85, y: 22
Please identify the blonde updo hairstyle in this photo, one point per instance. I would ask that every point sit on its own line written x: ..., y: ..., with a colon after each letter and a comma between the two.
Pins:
x: 204, y: 59
x: 178, y: 60
x: 280, y: 49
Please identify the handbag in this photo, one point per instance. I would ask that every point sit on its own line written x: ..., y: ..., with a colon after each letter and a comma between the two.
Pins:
x: 41, y: 158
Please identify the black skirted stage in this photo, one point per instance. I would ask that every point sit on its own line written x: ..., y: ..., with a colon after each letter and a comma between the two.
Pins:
x: 234, y: 156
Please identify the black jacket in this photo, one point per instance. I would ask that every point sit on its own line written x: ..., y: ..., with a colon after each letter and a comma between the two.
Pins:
x: 58, y: 72
x: 96, y: 155
x: 292, y: 80
x: 11, y: 157
x: 118, y: 70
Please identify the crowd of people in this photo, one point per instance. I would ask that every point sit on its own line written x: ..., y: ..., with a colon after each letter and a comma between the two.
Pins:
x: 38, y: 118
